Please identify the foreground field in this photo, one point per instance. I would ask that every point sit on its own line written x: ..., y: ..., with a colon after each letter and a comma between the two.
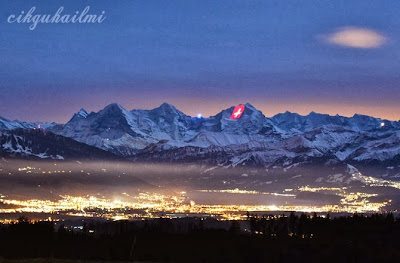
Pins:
x: 307, y: 238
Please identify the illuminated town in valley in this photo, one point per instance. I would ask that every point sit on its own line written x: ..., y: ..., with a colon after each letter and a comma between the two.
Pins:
x: 142, y: 204
x: 155, y: 205
x: 151, y: 205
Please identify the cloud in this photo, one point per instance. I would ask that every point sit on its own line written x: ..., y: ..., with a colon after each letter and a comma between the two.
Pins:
x: 356, y: 37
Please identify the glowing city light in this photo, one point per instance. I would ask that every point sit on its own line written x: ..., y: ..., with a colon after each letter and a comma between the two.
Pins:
x: 155, y: 205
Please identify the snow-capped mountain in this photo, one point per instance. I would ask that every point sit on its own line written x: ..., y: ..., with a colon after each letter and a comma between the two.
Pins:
x: 167, y: 134
x: 81, y: 114
x: 127, y: 132
x: 293, y: 122
x: 123, y: 132
x: 11, y: 125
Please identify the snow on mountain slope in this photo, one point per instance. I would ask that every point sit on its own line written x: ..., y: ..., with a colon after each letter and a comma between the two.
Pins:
x: 331, y: 141
x: 206, y: 139
x: 293, y: 122
x: 112, y: 128
x: 285, y: 137
x: 381, y: 148
x: 11, y: 125
x: 164, y: 123
x: 125, y: 133
x: 82, y: 113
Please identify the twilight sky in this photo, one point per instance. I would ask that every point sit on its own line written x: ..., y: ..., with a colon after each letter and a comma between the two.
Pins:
x: 336, y: 57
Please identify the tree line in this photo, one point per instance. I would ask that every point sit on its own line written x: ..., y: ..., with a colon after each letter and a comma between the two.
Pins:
x: 266, y: 238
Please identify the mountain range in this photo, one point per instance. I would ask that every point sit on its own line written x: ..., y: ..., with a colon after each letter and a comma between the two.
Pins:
x: 165, y: 134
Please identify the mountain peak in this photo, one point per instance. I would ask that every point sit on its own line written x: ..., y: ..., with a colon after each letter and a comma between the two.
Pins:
x: 167, y: 109
x: 114, y: 106
x: 83, y: 113
x: 248, y: 105
x: 167, y: 106
x: 356, y: 115
x: 287, y: 116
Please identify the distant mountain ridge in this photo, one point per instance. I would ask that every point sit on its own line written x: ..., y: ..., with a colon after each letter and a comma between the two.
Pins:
x: 11, y: 125
x: 38, y: 143
x: 167, y: 134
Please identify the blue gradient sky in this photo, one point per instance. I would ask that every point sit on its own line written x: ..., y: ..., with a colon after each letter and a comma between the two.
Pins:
x: 201, y: 56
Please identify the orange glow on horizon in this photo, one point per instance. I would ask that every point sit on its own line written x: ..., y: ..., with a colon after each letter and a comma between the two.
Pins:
x: 269, y: 109
x: 211, y: 107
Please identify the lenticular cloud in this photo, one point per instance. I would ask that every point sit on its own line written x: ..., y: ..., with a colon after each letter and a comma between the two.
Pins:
x: 356, y: 37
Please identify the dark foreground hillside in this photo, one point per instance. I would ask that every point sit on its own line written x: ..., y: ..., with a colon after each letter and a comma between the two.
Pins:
x: 259, y: 239
x: 40, y: 144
